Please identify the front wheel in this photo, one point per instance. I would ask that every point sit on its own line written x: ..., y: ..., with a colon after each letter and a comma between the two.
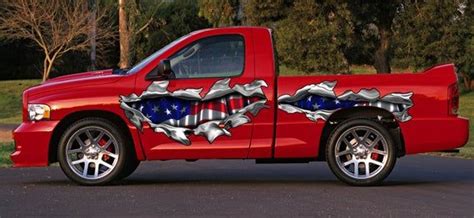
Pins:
x: 93, y: 152
x: 361, y: 152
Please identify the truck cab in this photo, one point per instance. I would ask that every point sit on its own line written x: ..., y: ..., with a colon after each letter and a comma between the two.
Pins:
x: 216, y: 94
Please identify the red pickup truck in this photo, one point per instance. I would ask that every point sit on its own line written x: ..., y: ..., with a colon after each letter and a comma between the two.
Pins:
x: 216, y: 94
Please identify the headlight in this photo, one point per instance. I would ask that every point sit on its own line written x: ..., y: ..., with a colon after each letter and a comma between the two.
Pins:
x: 38, y: 112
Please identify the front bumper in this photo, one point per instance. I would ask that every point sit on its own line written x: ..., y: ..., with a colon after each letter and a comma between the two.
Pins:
x: 32, y: 143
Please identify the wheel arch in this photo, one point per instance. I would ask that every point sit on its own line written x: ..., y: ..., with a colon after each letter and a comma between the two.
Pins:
x: 380, y: 115
x: 75, y: 116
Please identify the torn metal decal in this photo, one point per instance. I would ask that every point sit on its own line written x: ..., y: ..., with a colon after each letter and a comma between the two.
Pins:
x: 183, y: 112
x: 319, y: 101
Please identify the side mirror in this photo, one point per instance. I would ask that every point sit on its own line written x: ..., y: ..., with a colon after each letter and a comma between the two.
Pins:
x: 162, y: 71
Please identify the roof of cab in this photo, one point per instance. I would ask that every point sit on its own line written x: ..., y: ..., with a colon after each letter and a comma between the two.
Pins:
x: 231, y: 28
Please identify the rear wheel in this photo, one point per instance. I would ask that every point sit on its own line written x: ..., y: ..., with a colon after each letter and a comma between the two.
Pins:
x: 130, y: 167
x: 361, y: 152
x: 93, y: 151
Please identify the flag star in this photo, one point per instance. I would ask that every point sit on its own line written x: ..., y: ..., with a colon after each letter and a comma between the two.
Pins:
x: 310, y: 97
x: 315, y: 106
x: 323, y: 99
x: 134, y: 105
x: 141, y: 107
x: 337, y: 101
x: 183, y: 110
x: 148, y: 116
x: 168, y: 112
x: 175, y: 107
x: 156, y: 109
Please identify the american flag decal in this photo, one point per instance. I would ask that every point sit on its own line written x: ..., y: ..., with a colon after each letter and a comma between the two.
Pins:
x: 319, y: 101
x: 182, y: 112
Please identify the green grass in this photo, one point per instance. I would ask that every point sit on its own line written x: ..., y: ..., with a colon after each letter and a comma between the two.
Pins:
x: 6, y: 148
x: 467, y: 110
x: 362, y: 69
x: 10, y: 99
x: 286, y: 71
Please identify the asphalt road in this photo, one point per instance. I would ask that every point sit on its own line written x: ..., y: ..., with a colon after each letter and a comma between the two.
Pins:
x: 419, y: 186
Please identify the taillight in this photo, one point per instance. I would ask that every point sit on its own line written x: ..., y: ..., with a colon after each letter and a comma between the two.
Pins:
x: 453, y: 99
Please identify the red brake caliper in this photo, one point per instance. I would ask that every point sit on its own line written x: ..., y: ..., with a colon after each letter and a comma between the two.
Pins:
x: 375, y: 156
x: 102, y: 142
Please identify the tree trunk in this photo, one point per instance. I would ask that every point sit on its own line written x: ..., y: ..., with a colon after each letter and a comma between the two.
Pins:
x: 381, y: 58
x: 47, y: 66
x: 124, y: 35
x: 93, y: 34
x: 45, y: 69
x: 241, y: 12
x: 467, y: 81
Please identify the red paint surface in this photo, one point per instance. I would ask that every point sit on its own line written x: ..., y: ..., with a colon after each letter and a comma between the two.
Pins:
x: 430, y: 129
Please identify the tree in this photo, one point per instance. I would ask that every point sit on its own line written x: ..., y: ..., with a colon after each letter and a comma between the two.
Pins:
x: 124, y: 35
x: 314, y: 37
x: 151, y: 24
x: 135, y: 17
x: 92, y: 33
x: 424, y: 32
x: 56, y: 27
x: 373, y: 20
x: 433, y: 32
x: 265, y: 12
x: 465, y: 61
x: 171, y: 21
x: 219, y: 12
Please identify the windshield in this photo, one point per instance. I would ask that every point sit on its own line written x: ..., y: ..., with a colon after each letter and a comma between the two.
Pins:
x: 150, y: 58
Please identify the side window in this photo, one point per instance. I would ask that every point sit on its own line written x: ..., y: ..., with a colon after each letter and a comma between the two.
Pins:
x: 217, y: 56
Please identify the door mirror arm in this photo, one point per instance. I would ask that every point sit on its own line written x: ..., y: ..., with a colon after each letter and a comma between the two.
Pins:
x: 161, y: 72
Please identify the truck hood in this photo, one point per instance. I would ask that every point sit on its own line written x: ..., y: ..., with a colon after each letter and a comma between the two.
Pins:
x: 79, y: 76
x: 68, y: 82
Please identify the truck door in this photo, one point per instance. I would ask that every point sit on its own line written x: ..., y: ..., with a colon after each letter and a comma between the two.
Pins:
x: 213, y: 72
x: 263, y: 136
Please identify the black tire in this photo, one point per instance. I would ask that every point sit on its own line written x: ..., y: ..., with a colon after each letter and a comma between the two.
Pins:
x: 124, y: 152
x: 130, y: 167
x: 358, y: 152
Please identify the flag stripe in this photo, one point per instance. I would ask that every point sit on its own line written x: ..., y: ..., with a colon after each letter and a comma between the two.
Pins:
x: 185, y: 113
x: 314, y: 103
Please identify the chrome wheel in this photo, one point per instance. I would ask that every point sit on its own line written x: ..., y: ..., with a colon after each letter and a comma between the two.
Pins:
x: 361, y: 152
x: 92, y: 152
